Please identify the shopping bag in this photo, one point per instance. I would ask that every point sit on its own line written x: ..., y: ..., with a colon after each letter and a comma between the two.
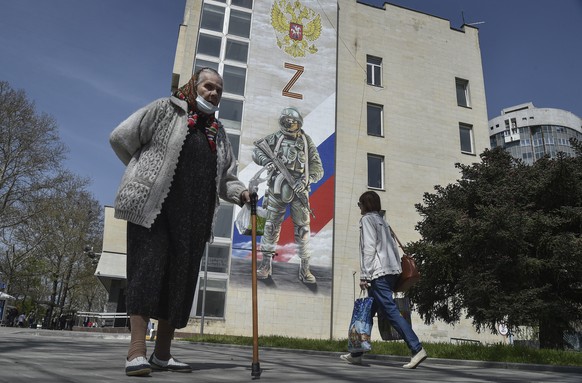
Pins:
x: 387, y: 332
x: 360, y: 328
x: 410, y: 274
x: 243, y: 220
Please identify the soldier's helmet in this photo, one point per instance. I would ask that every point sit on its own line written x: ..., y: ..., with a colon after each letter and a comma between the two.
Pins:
x: 290, y: 120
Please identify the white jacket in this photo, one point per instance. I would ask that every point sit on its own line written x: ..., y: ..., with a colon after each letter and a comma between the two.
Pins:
x: 378, y: 250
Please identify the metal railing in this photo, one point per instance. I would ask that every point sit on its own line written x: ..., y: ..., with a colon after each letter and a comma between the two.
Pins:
x: 465, y: 341
x: 92, y: 319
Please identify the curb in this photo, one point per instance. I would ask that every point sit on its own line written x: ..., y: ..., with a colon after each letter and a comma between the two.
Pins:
x: 428, y: 361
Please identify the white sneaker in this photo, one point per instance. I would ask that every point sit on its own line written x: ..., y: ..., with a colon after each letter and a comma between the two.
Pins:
x: 351, y: 359
x: 416, y: 359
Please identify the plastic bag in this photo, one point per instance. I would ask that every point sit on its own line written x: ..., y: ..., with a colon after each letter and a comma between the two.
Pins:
x: 243, y: 220
x: 360, y: 328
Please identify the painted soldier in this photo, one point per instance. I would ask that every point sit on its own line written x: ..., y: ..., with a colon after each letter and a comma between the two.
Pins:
x: 293, y: 163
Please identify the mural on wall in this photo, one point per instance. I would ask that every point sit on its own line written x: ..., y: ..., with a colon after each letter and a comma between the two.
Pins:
x: 288, y: 139
x: 293, y: 163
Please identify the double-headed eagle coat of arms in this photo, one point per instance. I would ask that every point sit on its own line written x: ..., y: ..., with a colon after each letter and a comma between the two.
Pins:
x: 295, y: 25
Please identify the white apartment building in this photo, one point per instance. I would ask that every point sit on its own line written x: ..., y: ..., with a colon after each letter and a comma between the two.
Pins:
x: 529, y: 133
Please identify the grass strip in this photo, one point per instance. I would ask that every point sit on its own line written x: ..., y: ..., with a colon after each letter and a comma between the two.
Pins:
x: 493, y: 353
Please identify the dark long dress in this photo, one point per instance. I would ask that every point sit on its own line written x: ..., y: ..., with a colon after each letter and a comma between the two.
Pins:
x: 163, y: 262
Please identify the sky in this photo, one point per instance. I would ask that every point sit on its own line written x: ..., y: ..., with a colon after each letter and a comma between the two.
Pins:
x: 91, y: 63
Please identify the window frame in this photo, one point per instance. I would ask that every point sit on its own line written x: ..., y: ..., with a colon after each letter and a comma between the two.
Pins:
x: 204, y: 22
x: 222, y: 245
x: 380, y: 108
x: 234, y: 42
x: 231, y: 118
x: 198, y: 297
x: 374, y: 69
x: 231, y: 75
x: 465, y: 90
x: 382, y: 171
x: 468, y: 127
x: 234, y: 27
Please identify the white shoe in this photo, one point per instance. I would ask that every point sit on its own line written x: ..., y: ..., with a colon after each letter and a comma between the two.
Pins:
x: 351, y: 359
x: 416, y: 359
x: 137, y: 367
x: 169, y: 365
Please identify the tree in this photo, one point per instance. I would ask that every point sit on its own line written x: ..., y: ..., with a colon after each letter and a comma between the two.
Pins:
x: 31, y: 153
x: 503, y: 244
x: 70, y: 219
x: 46, y: 215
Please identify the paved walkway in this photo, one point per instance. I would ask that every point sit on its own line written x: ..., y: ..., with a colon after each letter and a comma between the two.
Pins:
x: 28, y: 355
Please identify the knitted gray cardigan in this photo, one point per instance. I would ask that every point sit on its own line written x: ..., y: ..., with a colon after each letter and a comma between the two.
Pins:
x: 149, y: 143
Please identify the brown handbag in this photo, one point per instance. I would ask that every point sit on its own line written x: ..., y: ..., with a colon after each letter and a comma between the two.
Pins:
x: 410, y: 274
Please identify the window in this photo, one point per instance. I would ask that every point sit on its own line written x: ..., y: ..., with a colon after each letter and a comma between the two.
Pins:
x: 243, y: 3
x: 235, y: 143
x: 240, y: 23
x: 375, y: 120
x: 466, y: 138
x: 212, y: 18
x: 211, y: 290
x: 223, y: 223
x: 374, y: 70
x: 218, y: 257
x: 215, y: 297
x: 236, y: 50
x: 234, y: 79
x: 463, y: 92
x: 205, y: 64
x: 230, y: 113
x: 209, y: 45
x: 375, y: 171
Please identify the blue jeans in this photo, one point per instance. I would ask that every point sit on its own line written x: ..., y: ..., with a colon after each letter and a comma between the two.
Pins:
x: 381, y: 289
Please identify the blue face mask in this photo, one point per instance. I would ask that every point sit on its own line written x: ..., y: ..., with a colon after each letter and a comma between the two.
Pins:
x: 205, y: 106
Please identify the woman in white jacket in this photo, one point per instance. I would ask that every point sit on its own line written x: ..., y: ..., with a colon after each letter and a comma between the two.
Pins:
x: 379, y: 271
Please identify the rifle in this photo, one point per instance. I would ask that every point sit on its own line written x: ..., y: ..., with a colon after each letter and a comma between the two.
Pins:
x: 262, y: 144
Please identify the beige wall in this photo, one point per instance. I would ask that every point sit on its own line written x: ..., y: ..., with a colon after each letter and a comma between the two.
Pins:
x: 421, y: 56
x: 186, y: 45
x: 114, y: 233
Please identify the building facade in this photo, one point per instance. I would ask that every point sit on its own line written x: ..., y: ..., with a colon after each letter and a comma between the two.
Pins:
x: 530, y: 133
x: 390, y: 97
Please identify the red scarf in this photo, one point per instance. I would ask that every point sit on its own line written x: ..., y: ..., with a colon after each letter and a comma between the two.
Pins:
x: 211, y: 127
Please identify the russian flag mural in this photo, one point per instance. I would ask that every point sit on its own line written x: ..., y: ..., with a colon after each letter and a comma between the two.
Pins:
x: 288, y: 135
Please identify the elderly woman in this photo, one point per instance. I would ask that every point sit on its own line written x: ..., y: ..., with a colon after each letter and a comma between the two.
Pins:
x: 179, y: 161
x: 379, y: 272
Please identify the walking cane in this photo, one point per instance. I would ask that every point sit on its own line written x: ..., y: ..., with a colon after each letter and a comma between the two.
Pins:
x: 255, y: 367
